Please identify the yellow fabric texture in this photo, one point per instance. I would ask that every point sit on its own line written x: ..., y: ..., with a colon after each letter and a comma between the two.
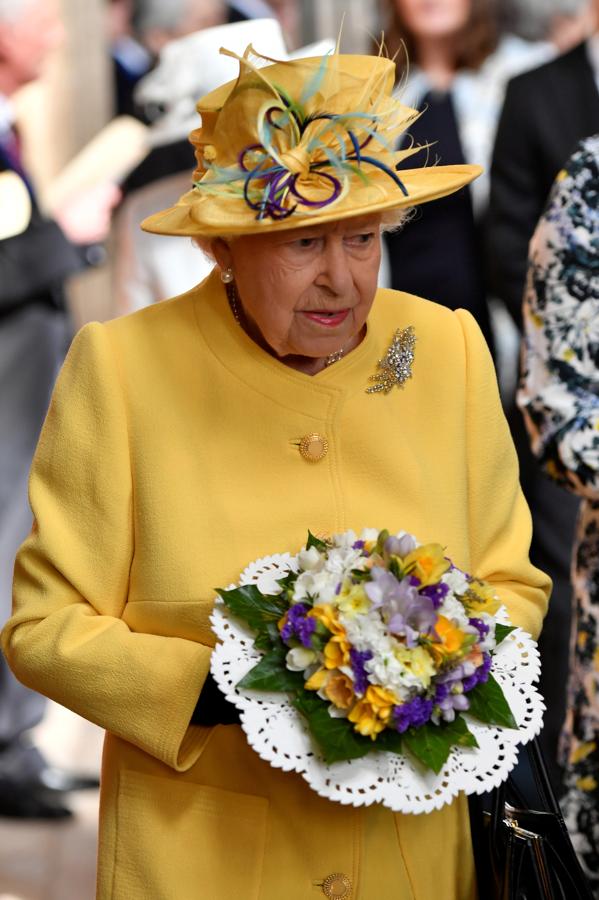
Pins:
x: 305, y: 116
x: 168, y: 461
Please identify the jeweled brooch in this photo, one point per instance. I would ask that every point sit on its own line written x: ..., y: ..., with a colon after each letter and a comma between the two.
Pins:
x: 396, y: 366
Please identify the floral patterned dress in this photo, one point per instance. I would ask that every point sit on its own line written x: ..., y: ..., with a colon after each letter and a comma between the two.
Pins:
x: 559, y: 396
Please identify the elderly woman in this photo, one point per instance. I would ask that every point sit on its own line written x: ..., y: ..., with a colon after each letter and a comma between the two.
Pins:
x: 196, y: 435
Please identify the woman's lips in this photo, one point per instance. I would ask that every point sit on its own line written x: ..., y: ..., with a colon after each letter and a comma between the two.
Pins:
x: 329, y: 320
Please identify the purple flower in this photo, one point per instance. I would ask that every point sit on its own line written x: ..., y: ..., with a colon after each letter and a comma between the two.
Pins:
x: 408, y: 613
x: 395, y: 546
x: 436, y: 592
x: 299, y: 624
x: 358, y: 659
x: 358, y: 545
x: 412, y: 714
x: 481, y: 675
x: 481, y: 627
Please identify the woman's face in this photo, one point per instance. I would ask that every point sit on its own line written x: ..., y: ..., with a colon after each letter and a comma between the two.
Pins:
x: 428, y: 19
x: 306, y: 291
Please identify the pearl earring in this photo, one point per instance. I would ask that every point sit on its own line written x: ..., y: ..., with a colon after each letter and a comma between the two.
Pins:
x: 226, y: 275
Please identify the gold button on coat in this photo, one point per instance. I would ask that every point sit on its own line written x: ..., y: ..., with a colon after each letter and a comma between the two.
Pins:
x: 337, y: 886
x: 314, y: 447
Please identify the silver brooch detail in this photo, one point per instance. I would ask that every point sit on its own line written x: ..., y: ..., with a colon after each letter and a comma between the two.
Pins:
x: 396, y: 366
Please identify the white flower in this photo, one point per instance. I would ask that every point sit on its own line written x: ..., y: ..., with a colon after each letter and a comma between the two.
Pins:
x: 454, y: 610
x: 318, y: 585
x: 369, y: 534
x: 299, y: 658
x: 456, y: 581
x: 346, y: 539
x: 341, y: 560
x: 310, y: 560
x: 335, y: 712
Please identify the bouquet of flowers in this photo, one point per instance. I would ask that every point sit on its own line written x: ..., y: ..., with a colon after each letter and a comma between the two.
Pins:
x: 380, y: 643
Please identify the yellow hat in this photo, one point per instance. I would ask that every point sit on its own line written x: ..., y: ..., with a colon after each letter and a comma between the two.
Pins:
x: 298, y: 143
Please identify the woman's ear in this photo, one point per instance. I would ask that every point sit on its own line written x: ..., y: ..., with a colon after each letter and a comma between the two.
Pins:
x: 222, y: 253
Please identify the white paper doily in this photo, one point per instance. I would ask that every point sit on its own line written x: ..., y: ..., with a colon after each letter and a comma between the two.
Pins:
x: 279, y: 734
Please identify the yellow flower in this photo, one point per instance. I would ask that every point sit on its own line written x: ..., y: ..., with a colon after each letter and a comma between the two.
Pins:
x: 427, y: 563
x: 353, y: 600
x: 317, y: 680
x: 326, y: 614
x: 381, y: 700
x: 418, y: 661
x: 586, y: 784
x: 596, y: 659
x: 339, y: 690
x: 481, y: 597
x: 371, y: 714
x: 582, y: 639
x: 336, y: 652
x: 365, y: 720
x: 582, y: 751
x: 450, y: 641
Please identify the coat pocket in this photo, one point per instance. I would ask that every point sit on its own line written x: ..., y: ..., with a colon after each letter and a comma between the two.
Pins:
x: 177, y: 840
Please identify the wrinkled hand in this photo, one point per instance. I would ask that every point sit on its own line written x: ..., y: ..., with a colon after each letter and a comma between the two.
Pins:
x: 85, y: 217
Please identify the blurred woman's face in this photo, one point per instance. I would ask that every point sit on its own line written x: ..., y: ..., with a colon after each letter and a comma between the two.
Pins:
x: 428, y: 19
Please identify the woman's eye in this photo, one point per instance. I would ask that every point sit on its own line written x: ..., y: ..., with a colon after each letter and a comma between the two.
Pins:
x: 306, y: 242
x: 361, y: 240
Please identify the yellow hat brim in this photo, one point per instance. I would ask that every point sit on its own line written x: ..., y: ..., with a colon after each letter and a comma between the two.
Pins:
x: 193, y: 216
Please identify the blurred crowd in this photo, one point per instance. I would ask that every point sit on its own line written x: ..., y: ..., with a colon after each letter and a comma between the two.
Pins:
x: 512, y: 86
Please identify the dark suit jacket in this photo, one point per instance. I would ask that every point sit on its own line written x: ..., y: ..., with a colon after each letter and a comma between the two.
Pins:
x: 35, y: 264
x: 545, y: 113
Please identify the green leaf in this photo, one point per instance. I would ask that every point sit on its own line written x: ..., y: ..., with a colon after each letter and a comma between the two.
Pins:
x: 462, y: 736
x: 263, y: 642
x: 313, y: 541
x: 502, y: 631
x: 270, y: 674
x: 390, y: 741
x: 336, y: 738
x: 395, y: 568
x: 255, y: 608
x: 430, y: 744
x: 488, y: 704
x: 287, y: 581
x: 380, y: 544
x: 268, y: 639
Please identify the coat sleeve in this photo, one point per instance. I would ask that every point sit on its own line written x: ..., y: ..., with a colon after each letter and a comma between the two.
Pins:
x: 500, y: 525
x: 559, y: 388
x: 66, y: 637
x: 516, y: 199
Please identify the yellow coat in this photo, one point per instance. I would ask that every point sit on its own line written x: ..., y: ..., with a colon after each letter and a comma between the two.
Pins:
x: 168, y: 461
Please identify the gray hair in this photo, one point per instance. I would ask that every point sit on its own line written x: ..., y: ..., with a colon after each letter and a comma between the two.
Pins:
x: 391, y: 220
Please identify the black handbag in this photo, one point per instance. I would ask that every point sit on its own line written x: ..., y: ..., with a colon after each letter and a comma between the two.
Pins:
x: 522, y: 848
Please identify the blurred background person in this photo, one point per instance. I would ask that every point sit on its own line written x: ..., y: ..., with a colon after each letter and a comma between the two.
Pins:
x: 559, y: 396
x: 131, y: 60
x: 34, y: 336
x: 148, y: 268
x: 458, y: 64
x: 564, y: 23
x: 546, y: 112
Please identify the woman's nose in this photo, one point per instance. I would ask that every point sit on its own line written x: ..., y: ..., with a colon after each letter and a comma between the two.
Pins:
x: 335, y: 272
